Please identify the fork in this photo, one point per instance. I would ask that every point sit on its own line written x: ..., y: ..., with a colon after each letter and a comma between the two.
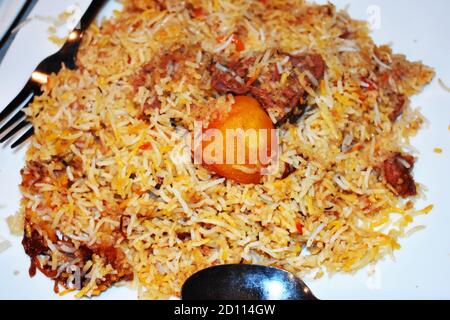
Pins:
x: 65, y: 56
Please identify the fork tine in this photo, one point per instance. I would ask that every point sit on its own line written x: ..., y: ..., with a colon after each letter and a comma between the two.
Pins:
x: 23, y: 138
x: 14, y: 130
x: 18, y: 116
x: 27, y: 91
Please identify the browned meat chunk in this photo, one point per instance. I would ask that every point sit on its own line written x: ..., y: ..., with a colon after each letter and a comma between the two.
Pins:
x: 166, y: 64
x: 397, y: 172
x: 224, y: 81
x: 278, y: 84
x: 281, y: 98
x: 33, y: 173
x: 160, y: 67
x: 34, y: 244
x: 399, y: 102
x: 231, y: 77
x: 313, y: 63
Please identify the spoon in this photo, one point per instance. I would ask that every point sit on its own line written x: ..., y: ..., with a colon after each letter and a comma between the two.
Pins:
x: 244, y: 282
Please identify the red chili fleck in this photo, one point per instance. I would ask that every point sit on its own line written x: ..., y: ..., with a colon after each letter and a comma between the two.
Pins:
x: 238, y: 43
x: 198, y: 12
x: 240, y: 46
x: 146, y: 146
x: 299, y: 227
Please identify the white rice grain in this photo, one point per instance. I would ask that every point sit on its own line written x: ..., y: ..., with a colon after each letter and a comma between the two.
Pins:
x: 314, y: 234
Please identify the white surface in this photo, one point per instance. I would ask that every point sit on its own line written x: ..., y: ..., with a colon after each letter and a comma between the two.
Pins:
x: 9, y: 9
x: 421, y: 270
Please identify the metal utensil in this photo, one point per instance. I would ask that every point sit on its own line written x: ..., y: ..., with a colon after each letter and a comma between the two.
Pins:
x: 245, y: 282
x: 9, y: 34
x: 52, y: 64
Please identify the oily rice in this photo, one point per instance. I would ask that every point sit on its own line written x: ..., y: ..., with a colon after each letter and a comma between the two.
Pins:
x: 111, y: 193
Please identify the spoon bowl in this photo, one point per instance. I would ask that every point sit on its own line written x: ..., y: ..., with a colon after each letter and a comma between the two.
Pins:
x: 245, y: 282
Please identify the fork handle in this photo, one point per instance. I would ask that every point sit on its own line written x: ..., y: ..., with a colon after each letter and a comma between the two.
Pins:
x: 69, y: 50
x: 90, y: 14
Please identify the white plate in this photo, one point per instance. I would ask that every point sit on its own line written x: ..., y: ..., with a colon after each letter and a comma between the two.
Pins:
x: 9, y: 9
x: 417, y: 28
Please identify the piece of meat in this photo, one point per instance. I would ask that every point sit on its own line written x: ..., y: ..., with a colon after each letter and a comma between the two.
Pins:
x: 281, y: 103
x: 84, y: 253
x: 111, y: 256
x: 263, y: 96
x: 276, y: 76
x: 242, y: 66
x: 397, y: 172
x: 183, y: 235
x: 231, y: 77
x: 34, y: 172
x: 313, y: 63
x: 346, y: 34
x: 124, y: 220
x: 281, y: 100
x: 34, y: 245
x: 288, y: 170
x: 159, y: 67
x: 399, y: 102
x: 195, y: 11
x: 165, y: 64
x: 227, y: 82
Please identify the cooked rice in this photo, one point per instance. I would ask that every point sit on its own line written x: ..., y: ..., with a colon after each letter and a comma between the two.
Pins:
x: 4, y: 244
x: 101, y: 188
x: 443, y: 85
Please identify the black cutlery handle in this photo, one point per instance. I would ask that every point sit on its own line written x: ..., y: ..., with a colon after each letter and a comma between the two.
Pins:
x: 69, y: 50
x: 9, y: 35
x: 90, y: 14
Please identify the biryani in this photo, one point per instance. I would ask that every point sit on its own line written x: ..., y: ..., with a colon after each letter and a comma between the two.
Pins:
x: 113, y: 194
